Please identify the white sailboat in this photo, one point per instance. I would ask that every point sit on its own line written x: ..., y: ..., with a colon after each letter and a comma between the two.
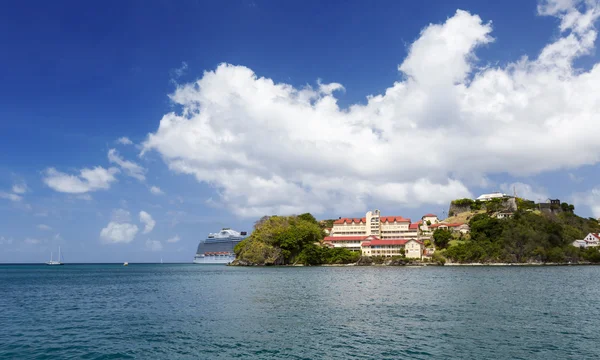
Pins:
x: 55, y: 262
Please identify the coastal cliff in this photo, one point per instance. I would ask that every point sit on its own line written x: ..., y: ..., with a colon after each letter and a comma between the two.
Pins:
x: 527, y: 236
x: 289, y: 240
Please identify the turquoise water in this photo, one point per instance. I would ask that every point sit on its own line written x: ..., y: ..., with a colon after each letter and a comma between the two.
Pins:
x: 204, y: 312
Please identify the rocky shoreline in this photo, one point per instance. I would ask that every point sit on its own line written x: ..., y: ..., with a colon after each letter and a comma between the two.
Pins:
x: 397, y: 262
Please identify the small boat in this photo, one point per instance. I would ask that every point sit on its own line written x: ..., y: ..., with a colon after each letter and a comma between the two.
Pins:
x: 125, y: 263
x: 55, y: 262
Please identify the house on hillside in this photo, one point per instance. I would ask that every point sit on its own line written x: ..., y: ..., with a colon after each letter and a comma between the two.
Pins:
x: 504, y: 215
x: 457, y: 227
x: 494, y: 195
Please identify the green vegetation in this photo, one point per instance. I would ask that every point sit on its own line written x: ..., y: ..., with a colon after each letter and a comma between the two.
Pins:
x: 462, y: 202
x: 327, y: 224
x: 441, y: 238
x: 284, y: 240
x: 524, y: 204
x: 528, y: 237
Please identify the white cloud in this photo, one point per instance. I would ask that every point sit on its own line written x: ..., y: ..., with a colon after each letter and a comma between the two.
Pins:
x: 31, y: 241
x: 11, y: 197
x: 116, y: 232
x: 147, y: 220
x: 590, y: 198
x: 178, y: 72
x: 88, y: 180
x: 270, y: 148
x: 124, y: 141
x: 44, y: 227
x: 156, y: 190
x: 121, y: 215
x: 525, y: 191
x: 129, y: 167
x: 5, y: 241
x: 19, y: 188
x: 86, y: 197
x: 153, y: 245
x: 575, y: 178
x: 174, y: 239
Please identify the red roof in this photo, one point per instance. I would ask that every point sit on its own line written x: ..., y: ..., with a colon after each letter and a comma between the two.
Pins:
x: 393, y: 218
x: 597, y: 236
x: 350, y: 220
x: 413, y: 226
x: 388, y: 242
x: 430, y: 215
x: 448, y: 225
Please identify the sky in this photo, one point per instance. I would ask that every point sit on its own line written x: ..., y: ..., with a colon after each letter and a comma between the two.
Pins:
x: 130, y: 130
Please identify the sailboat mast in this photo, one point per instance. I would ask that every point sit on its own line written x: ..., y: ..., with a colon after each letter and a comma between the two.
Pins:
x: 50, y: 256
x: 59, y: 254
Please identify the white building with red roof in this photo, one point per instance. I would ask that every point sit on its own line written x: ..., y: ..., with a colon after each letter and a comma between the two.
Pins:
x: 384, y: 227
x: 374, y: 246
x: 592, y: 239
x: 461, y: 227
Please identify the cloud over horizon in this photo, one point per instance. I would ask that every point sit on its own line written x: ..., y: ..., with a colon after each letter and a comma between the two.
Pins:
x: 272, y: 148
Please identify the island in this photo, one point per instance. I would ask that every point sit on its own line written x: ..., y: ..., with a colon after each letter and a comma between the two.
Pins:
x: 494, y: 229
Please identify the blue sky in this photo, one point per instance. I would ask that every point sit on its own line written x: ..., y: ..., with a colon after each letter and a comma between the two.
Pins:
x: 332, y: 108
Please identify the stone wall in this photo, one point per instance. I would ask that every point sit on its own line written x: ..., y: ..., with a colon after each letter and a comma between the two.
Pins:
x: 509, y: 204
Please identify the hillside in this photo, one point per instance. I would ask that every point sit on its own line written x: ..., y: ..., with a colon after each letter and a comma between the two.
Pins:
x: 289, y: 240
x: 530, y: 236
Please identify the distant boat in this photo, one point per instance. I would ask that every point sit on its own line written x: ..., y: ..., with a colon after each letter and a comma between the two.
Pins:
x: 55, y: 262
x: 161, y: 260
x: 125, y: 263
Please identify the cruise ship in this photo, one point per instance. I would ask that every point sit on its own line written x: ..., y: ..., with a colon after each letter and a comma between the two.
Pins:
x: 218, y: 247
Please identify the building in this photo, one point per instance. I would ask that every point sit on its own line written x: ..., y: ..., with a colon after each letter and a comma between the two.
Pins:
x: 592, y: 240
x: 412, y: 249
x: 458, y: 227
x: 504, y: 215
x: 580, y: 244
x: 349, y: 242
x: 384, y: 227
x: 495, y: 195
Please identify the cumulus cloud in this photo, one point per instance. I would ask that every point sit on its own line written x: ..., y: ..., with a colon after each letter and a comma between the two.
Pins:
x: 174, y: 239
x: 272, y: 148
x: 88, y: 180
x: 116, y: 232
x: 129, y: 167
x: 124, y: 141
x: 591, y: 199
x: 156, y: 190
x: 525, y: 191
x: 10, y: 196
x: 147, y: 220
x: 153, y: 245
x: 44, y: 227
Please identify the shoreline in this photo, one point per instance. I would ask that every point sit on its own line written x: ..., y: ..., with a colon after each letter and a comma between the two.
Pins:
x: 429, y: 264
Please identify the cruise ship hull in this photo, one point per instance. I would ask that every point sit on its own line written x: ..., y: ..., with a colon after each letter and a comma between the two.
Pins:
x: 223, y: 259
x: 218, y: 248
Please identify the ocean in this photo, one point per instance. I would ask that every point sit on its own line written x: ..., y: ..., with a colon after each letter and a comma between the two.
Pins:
x: 177, y: 311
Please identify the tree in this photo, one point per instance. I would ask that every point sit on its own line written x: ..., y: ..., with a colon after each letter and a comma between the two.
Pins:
x: 441, y: 238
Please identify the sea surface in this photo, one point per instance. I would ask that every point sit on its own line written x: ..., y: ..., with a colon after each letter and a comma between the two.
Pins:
x: 154, y: 311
